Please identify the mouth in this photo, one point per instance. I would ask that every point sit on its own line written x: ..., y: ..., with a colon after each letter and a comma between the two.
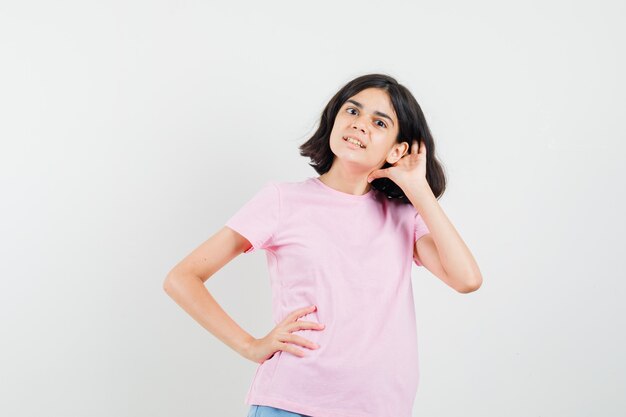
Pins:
x: 354, y: 141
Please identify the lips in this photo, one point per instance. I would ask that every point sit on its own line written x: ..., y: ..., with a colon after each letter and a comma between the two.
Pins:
x: 355, y: 138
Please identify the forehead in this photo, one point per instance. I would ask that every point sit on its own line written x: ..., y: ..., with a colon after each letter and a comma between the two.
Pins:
x: 374, y: 100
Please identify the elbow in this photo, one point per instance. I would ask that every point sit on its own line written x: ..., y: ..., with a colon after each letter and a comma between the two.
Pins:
x: 169, y: 282
x: 471, y: 285
x: 175, y: 282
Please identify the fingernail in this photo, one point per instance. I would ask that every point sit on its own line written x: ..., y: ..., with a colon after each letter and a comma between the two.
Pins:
x: 369, y: 180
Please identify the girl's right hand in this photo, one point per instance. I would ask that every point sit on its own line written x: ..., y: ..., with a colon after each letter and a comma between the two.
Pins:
x: 280, y: 337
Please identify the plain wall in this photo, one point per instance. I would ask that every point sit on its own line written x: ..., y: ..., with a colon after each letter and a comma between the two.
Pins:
x: 130, y: 132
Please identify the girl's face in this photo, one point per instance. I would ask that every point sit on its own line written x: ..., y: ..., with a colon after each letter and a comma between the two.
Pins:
x: 370, y: 118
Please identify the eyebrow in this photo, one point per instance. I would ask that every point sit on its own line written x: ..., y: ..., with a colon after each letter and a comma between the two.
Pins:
x: 378, y: 113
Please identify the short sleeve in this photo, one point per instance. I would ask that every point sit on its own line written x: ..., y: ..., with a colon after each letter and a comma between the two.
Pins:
x: 257, y: 220
x: 420, y: 229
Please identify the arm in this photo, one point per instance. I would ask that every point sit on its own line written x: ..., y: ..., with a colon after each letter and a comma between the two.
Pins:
x: 442, y: 251
x: 185, y: 284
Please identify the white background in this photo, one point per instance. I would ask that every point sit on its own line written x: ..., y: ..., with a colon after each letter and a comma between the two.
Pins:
x: 130, y: 132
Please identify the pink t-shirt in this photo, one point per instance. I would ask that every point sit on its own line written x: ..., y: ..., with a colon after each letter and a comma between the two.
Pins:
x: 351, y: 256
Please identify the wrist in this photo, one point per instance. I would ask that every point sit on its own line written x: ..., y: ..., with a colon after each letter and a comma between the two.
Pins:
x: 419, y: 193
x: 420, y: 187
x: 244, y: 349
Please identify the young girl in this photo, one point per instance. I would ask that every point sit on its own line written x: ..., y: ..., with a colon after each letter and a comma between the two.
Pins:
x: 339, y: 249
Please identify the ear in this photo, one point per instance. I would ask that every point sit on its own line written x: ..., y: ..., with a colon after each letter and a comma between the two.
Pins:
x: 397, y: 152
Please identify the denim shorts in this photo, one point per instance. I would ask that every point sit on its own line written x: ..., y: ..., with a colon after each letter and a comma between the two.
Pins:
x: 267, y: 411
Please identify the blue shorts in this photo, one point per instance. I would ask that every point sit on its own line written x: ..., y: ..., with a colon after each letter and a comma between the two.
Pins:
x: 267, y: 411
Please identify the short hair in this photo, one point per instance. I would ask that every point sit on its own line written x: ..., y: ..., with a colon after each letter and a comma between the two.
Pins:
x: 411, y: 121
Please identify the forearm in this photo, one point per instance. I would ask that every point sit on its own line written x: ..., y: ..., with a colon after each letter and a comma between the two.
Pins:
x: 456, y: 258
x: 191, y: 294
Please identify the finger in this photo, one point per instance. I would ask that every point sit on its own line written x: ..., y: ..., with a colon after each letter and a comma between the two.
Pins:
x: 286, y: 347
x: 293, y: 316
x: 415, y: 146
x: 377, y: 174
x: 304, y: 325
x: 422, y: 148
x: 302, y: 341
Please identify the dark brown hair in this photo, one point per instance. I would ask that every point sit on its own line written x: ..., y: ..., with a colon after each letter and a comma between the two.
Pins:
x: 412, y: 124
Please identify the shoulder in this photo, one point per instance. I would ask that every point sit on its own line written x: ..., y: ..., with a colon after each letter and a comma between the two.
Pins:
x: 287, y: 188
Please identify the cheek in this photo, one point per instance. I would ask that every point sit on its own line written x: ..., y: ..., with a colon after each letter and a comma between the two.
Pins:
x: 341, y: 123
x: 338, y: 126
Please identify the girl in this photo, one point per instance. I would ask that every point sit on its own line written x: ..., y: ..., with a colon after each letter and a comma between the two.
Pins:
x: 339, y: 248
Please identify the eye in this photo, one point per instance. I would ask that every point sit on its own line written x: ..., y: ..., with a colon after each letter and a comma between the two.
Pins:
x: 352, y: 108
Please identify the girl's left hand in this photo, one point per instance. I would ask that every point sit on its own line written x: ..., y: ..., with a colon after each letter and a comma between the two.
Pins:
x: 409, y: 170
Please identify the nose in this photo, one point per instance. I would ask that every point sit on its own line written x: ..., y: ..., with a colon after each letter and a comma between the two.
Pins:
x: 359, y: 124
